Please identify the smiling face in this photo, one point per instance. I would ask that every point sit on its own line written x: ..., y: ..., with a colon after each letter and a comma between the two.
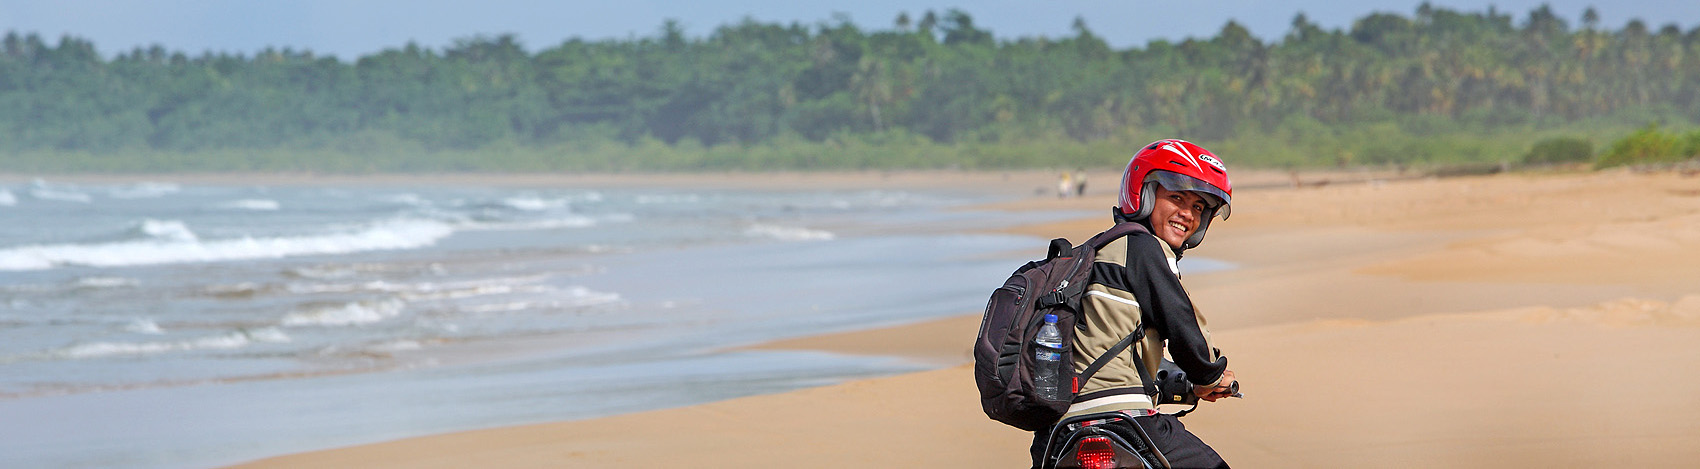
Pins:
x: 1175, y: 215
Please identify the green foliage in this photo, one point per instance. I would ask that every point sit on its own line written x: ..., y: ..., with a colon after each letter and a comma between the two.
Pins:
x: 1438, y: 87
x: 1650, y: 146
x: 1690, y: 145
x: 1560, y: 150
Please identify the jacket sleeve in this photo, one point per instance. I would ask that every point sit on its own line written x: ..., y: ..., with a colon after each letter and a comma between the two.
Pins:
x: 1168, y: 309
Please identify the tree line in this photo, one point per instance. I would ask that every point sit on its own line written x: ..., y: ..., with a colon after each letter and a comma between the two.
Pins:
x: 1438, y: 85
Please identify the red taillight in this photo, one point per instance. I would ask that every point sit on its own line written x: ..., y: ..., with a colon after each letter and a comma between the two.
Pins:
x: 1095, y: 453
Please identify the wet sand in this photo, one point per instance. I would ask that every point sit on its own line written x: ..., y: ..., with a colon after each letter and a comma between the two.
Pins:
x: 1523, y: 320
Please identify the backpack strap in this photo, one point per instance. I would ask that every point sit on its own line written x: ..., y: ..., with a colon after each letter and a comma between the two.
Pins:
x: 1072, y: 293
x: 1114, y: 233
x: 1114, y: 350
x: 1058, y: 248
x: 1147, y: 387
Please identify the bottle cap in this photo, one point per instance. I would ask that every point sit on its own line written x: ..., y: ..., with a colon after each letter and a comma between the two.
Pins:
x: 1051, y: 318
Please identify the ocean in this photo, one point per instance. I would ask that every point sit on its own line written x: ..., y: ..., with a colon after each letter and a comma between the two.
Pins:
x: 159, y: 324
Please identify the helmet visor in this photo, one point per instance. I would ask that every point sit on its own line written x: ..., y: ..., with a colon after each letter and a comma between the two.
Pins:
x: 1177, y: 182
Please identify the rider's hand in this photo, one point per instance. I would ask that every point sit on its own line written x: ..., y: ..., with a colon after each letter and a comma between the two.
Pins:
x: 1220, y: 389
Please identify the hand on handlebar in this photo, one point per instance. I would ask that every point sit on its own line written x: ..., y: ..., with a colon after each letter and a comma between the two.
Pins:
x: 1226, y: 386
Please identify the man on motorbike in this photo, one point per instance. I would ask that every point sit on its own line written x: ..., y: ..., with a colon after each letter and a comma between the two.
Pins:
x: 1174, y: 188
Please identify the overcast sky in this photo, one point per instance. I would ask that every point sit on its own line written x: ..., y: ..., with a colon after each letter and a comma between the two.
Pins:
x: 352, y: 28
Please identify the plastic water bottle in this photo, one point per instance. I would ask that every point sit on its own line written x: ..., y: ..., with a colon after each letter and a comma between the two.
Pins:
x: 1047, y: 374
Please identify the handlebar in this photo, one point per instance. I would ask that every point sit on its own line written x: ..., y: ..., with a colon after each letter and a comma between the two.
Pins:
x: 1174, y: 388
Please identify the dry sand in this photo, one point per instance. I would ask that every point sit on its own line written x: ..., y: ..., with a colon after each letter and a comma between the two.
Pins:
x: 1517, y: 320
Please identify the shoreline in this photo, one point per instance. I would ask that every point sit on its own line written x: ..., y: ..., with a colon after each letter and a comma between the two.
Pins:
x: 1468, y: 344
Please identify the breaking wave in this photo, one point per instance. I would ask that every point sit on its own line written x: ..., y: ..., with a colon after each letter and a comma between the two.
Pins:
x: 233, y: 340
x: 533, y: 204
x: 263, y: 205
x: 356, y: 313
x: 544, y: 224
x: 164, y: 230
x: 44, y: 193
x: 104, y: 282
x: 144, y: 190
x: 668, y: 199
x: 788, y: 233
x: 171, y: 242
x: 407, y: 198
x: 144, y: 326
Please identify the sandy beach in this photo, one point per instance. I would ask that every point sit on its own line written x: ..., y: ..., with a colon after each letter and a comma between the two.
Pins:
x: 1514, y: 320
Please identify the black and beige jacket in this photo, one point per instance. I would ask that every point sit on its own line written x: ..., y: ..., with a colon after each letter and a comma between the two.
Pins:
x: 1136, y: 283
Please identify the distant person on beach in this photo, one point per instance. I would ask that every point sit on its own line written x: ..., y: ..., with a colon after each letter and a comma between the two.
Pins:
x: 1064, y: 185
x: 1079, y: 183
x: 1174, y: 188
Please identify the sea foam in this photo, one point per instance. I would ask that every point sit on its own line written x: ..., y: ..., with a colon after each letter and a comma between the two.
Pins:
x: 581, y: 296
x: 43, y: 193
x: 104, y: 282
x: 668, y: 199
x: 172, y: 242
x: 263, y: 205
x: 788, y: 233
x: 144, y: 326
x: 166, y: 230
x: 356, y: 313
x: 233, y: 340
x: 533, y: 204
x: 405, y: 199
x: 144, y: 190
x: 545, y: 224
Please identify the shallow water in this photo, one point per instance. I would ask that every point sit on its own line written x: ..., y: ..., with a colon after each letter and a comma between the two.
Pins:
x: 167, y: 325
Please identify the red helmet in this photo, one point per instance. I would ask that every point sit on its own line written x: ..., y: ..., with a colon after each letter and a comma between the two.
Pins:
x: 1178, y: 165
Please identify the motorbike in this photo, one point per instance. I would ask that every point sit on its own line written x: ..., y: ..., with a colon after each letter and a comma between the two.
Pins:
x: 1090, y: 441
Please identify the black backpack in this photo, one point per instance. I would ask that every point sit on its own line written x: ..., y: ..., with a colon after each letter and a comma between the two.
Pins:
x: 1003, y: 352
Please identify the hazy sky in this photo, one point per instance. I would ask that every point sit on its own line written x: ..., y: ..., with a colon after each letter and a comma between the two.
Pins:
x: 351, y: 28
